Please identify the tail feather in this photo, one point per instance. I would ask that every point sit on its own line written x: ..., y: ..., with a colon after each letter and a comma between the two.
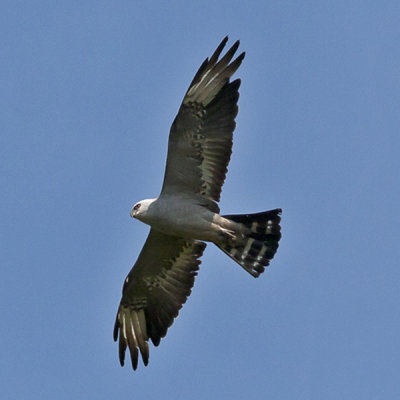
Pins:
x: 258, y: 243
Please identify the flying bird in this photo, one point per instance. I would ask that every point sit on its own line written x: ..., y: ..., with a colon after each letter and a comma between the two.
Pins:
x: 185, y: 215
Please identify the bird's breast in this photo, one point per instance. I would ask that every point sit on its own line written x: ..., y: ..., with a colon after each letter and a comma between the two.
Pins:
x: 179, y: 217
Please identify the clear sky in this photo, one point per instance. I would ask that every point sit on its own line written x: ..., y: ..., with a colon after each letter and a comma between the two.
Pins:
x: 88, y: 93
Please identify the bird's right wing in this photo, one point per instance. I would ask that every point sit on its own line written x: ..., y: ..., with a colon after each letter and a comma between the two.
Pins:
x: 154, y: 291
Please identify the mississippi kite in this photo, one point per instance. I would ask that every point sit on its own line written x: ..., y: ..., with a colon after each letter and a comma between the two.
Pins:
x: 186, y: 214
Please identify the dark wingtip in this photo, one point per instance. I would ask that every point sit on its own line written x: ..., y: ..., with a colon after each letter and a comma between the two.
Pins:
x: 218, y: 51
x: 121, y: 355
x: 229, y: 54
x: 134, y: 363
x: 134, y: 356
x: 235, y: 46
x: 116, y: 328
x: 144, y: 351
x: 238, y: 60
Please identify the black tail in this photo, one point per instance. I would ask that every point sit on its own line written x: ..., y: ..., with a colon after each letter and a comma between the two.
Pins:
x: 255, y: 250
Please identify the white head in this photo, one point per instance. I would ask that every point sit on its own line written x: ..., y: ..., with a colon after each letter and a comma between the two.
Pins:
x: 141, y: 209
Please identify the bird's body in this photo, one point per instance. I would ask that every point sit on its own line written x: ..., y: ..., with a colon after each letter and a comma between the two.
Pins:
x: 187, y: 219
x: 186, y: 215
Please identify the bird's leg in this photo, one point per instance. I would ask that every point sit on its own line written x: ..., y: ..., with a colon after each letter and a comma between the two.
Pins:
x: 227, y: 236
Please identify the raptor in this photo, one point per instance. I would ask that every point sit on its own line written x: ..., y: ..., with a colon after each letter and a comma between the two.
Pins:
x: 186, y: 215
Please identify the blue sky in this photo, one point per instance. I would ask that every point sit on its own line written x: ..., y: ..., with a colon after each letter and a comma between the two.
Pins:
x: 89, y: 91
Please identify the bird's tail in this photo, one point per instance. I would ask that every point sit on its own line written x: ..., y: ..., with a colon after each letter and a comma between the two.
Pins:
x: 254, y: 248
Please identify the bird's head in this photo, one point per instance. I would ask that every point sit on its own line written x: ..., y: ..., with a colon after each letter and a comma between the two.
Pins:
x: 141, y: 209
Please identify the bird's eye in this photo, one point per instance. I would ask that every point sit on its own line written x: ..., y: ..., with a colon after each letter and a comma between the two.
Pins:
x: 137, y: 206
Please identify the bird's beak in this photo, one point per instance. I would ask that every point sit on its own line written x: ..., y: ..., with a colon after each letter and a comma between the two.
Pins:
x: 133, y: 213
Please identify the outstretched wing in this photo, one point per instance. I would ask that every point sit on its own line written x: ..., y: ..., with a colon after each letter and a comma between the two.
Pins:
x: 154, y: 291
x: 200, y: 140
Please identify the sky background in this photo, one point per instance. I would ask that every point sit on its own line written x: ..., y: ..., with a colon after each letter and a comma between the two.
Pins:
x: 88, y: 93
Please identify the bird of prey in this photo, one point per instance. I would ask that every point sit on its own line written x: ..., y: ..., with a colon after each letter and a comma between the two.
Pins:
x: 185, y: 215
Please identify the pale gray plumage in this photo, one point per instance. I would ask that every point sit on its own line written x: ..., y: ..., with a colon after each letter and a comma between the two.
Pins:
x: 186, y: 213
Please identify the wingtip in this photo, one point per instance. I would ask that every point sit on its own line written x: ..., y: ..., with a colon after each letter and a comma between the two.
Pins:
x: 218, y: 51
x: 121, y: 356
x: 234, y: 47
x: 134, y: 357
x: 134, y: 363
x: 116, y: 329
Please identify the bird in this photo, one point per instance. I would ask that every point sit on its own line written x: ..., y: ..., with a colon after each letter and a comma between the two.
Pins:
x: 185, y: 216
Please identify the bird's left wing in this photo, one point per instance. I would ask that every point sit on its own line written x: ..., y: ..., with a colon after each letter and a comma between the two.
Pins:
x: 154, y: 291
x: 200, y: 140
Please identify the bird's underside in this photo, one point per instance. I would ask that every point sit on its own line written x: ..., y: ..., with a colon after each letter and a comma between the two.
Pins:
x: 186, y: 213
